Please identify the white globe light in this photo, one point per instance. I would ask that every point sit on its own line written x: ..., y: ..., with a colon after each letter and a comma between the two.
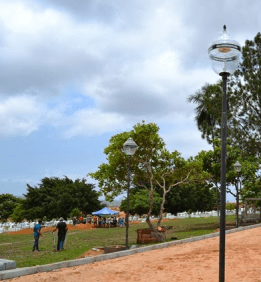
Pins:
x: 224, y: 54
x: 237, y: 166
x: 129, y: 147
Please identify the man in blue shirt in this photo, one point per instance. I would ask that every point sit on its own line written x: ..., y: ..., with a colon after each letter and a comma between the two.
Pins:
x: 37, y: 234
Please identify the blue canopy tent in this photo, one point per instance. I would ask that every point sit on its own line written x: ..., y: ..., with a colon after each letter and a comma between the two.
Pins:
x: 105, y: 211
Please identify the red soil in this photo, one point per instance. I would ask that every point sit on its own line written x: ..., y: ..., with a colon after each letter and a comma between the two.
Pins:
x: 70, y: 227
x: 50, y: 229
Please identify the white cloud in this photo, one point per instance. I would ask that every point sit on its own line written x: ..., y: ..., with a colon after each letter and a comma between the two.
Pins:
x: 125, y: 61
x: 93, y: 122
x: 20, y: 115
x: 135, y: 66
x: 186, y: 139
x: 45, y: 50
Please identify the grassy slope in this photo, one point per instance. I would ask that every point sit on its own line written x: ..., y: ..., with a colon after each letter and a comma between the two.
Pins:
x: 19, y: 247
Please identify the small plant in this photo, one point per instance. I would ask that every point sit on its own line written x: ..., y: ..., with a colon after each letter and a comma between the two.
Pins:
x: 230, y: 206
x: 75, y: 213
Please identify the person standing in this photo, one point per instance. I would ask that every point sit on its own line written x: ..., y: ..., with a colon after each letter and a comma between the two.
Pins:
x: 81, y: 219
x: 62, y: 229
x: 94, y: 221
x: 37, y: 234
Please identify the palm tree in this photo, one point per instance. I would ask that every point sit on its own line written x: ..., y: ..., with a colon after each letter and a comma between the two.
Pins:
x: 208, y: 116
x: 208, y: 110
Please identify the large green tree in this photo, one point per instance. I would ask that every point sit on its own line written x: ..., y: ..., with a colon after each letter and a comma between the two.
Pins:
x: 140, y: 202
x: 55, y: 197
x: 19, y: 213
x: 8, y: 203
x: 152, y: 166
x: 250, y: 177
x: 192, y: 197
x: 248, y: 174
x: 244, y: 103
x: 245, y: 98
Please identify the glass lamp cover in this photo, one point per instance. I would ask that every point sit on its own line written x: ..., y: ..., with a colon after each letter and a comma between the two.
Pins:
x: 129, y: 147
x: 224, y: 54
x: 237, y: 166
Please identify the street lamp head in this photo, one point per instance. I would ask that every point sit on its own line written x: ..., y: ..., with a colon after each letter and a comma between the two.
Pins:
x: 224, y: 54
x: 130, y: 147
x: 237, y: 166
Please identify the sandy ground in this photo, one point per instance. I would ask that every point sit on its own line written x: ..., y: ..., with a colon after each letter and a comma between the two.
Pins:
x: 196, y: 261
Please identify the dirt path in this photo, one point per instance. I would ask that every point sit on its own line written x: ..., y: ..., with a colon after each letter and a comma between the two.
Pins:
x: 196, y: 261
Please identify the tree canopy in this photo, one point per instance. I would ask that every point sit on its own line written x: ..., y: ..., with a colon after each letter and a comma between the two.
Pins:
x: 243, y: 120
x: 245, y: 98
x: 55, y: 197
x: 192, y: 197
x: 19, y: 213
x: 8, y: 203
x: 208, y: 110
x: 140, y: 202
x: 244, y: 103
x: 152, y: 165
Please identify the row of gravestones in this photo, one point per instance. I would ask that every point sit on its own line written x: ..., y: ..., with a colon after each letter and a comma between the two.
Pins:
x: 198, y: 214
x: 12, y: 227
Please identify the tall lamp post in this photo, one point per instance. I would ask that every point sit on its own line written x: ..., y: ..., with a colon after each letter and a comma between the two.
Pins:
x: 129, y: 148
x: 237, y: 167
x: 224, y: 54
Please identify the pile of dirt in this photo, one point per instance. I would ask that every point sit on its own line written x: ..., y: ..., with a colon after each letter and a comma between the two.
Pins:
x: 91, y: 253
x: 71, y: 227
x: 51, y: 228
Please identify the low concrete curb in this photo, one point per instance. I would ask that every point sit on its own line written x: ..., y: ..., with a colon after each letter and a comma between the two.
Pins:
x: 6, y: 264
x: 7, y: 274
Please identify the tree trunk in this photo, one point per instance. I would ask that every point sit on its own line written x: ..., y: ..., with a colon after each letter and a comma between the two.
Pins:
x: 155, y: 233
x: 162, y: 207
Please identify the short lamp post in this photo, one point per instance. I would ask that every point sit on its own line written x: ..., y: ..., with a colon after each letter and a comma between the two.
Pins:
x: 129, y: 148
x: 224, y: 54
x: 237, y: 167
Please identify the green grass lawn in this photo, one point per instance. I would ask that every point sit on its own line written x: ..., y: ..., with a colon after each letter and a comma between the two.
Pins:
x: 19, y: 247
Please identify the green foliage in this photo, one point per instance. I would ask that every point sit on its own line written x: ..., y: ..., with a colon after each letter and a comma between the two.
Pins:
x: 8, y: 203
x: 244, y: 122
x: 245, y: 95
x: 57, y: 197
x: 194, y: 197
x: 244, y: 103
x: 252, y: 189
x: 19, y: 213
x: 212, y: 162
x: 112, y: 176
x: 230, y: 206
x: 152, y: 166
x: 208, y: 110
x: 249, y: 176
x: 140, y: 202
x: 75, y: 213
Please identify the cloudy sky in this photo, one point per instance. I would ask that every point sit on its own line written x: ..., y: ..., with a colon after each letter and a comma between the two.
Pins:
x: 73, y: 73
